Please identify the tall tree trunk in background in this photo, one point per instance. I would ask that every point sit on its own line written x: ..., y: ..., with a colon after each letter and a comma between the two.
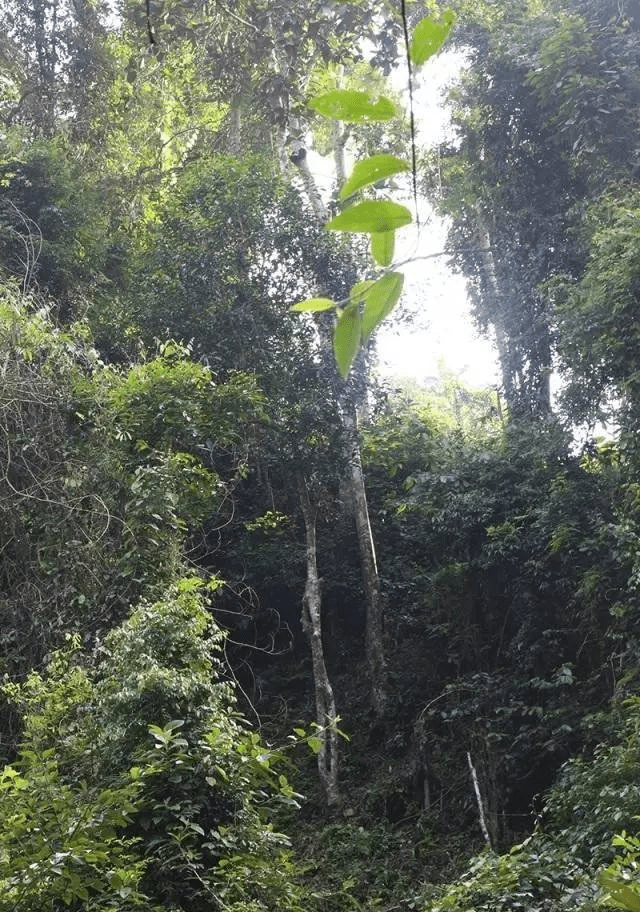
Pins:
x: 299, y: 159
x: 234, y: 141
x: 368, y: 562
x: 312, y: 626
x: 491, y: 277
x: 526, y: 380
x: 354, y: 482
x: 340, y: 135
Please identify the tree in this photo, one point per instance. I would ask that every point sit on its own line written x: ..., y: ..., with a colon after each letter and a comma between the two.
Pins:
x: 106, y: 475
x: 508, y: 190
x: 544, y: 119
x: 597, y: 312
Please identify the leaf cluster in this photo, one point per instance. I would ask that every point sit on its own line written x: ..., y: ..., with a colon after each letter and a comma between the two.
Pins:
x: 358, y: 317
x: 134, y: 808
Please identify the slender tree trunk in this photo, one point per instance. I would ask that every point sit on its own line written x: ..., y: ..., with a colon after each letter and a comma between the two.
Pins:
x: 312, y: 626
x: 370, y: 578
x: 358, y: 496
x: 234, y: 141
x: 299, y: 159
x: 340, y: 137
x: 476, y: 788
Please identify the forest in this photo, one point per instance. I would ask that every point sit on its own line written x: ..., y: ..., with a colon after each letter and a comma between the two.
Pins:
x: 278, y: 634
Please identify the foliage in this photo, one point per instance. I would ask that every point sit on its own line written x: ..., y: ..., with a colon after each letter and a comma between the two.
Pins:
x: 354, y: 865
x: 595, y: 796
x: 620, y: 879
x: 362, y: 313
x: 469, y: 550
x: 535, y: 878
x: 136, y: 808
x: 558, y: 865
x: 596, y: 314
x: 106, y: 474
x: 158, y: 398
x: 63, y: 837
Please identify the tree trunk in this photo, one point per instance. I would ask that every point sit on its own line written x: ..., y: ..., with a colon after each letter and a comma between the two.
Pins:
x: 491, y: 278
x: 312, y: 626
x: 234, y: 119
x: 525, y: 378
x: 369, y: 564
x: 340, y: 137
x: 356, y: 489
x: 299, y: 159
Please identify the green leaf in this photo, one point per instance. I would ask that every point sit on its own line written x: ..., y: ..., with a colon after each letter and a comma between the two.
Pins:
x: 622, y: 894
x: 371, y: 216
x: 370, y: 170
x: 382, y: 246
x: 346, y: 343
x: 355, y: 107
x: 380, y: 300
x: 429, y: 35
x: 315, y: 743
x: 313, y: 304
x: 358, y: 293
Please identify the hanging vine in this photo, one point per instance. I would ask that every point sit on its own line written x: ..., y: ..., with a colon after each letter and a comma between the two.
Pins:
x: 371, y: 301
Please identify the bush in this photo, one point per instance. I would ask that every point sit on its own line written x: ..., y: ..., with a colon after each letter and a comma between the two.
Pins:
x: 137, y: 785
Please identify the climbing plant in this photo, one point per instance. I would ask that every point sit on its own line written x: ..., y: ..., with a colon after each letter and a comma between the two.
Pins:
x: 372, y: 300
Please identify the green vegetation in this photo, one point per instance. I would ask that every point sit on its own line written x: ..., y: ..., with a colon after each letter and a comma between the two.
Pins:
x: 273, y: 635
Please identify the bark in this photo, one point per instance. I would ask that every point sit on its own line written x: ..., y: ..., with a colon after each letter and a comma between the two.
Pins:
x: 299, y: 159
x: 312, y: 626
x: 370, y: 578
x: 234, y: 142
x: 340, y: 137
x: 476, y: 789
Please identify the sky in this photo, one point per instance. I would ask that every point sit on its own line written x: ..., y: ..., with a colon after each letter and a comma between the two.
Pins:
x: 431, y: 329
x: 434, y: 328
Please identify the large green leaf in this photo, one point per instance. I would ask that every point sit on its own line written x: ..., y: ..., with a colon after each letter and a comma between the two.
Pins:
x: 313, y: 304
x: 429, y: 35
x: 371, y: 215
x: 382, y: 246
x: 625, y: 895
x: 355, y: 107
x: 358, y: 292
x: 346, y: 338
x: 380, y: 300
x: 372, y: 169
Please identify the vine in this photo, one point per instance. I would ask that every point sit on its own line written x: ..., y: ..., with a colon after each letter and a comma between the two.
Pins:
x: 371, y: 301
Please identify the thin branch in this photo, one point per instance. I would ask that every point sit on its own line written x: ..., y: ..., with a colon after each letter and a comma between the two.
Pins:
x: 235, y: 16
x: 476, y: 788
